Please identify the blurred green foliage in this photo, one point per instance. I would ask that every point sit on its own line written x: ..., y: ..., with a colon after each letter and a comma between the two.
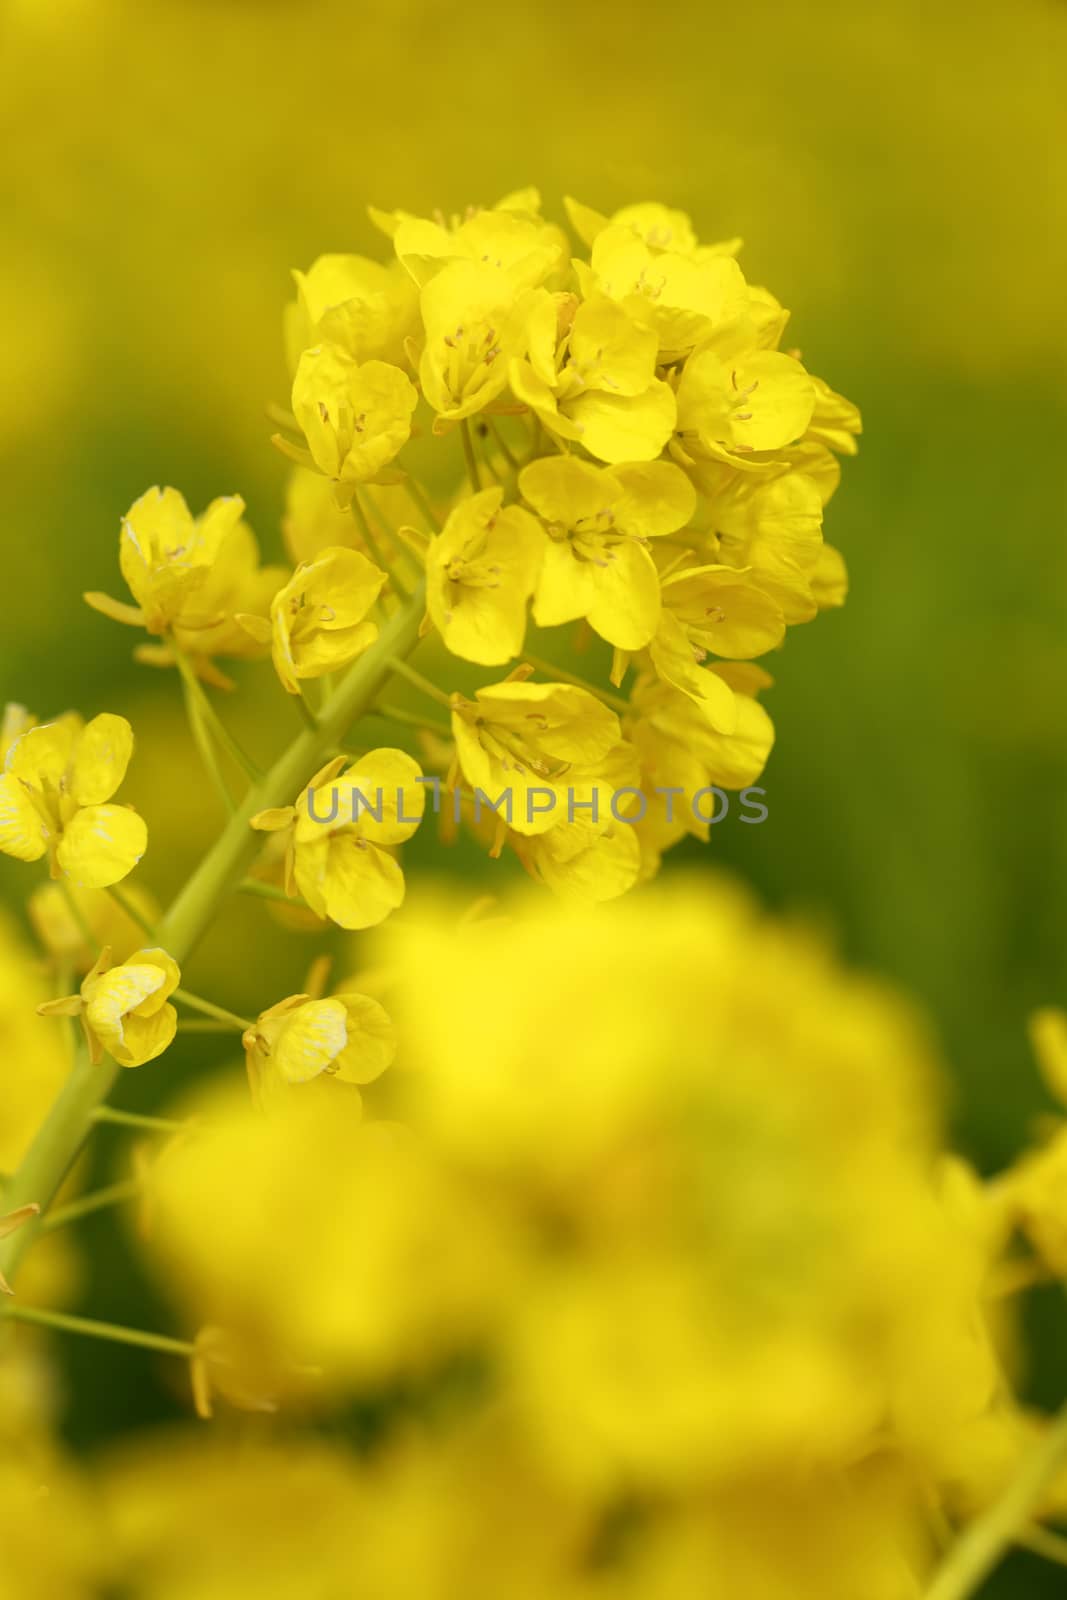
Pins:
x: 898, y: 172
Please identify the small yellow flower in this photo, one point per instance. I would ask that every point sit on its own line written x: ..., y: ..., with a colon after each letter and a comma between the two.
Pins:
x: 660, y: 227
x: 511, y: 236
x: 319, y: 621
x: 480, y: 573
x: 190, y: 577
x: 598, y: 519
x: 366, y: 308
x: 55, y: 781
x: 520, y: 741
x: 355, y: 417
x: 590, y: 376
x: 124, y: 1010
x: 348, y: 1036
x: 732, y: 405
x: 474, y: 325
x: 712, y: 609
x: 342, y: 831
x: 681, y: 747
x: 684, y: 297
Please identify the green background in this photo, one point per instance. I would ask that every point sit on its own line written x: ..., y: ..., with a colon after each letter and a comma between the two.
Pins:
x: 897, y: 172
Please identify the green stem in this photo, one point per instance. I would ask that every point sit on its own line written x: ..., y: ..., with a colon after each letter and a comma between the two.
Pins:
x: 100, y: 1330
x: 417, y: 680
x: 502, y: 444
x: 213, y: 722
x: 210, y: 1008
x: 79, y: 916
x: 422, y: 504
x: 114, y: 1194
x: 123, y: 901
x: 412, y: 719
x: 269, y: 891
x: 306, y: 712
x: 471, y: 458
x: 137, y: 1119
x: 198, y: 726
x: 377, y: 555
x: 1043, y: 1542
x: 991, y: 1535
x: 64, y: 1130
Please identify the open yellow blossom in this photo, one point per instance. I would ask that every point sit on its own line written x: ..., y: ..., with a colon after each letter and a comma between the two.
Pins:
x: 364, y: 306
x: 719, y: 610
x: 593, y: 853
x: 474, y: 324
x: 355, y: 417
x: 685, y: 297
x: 771, y: 524
x: 319, y: 620
x: 520, y: 740
x: 511, y: 236
x: 681, y: 747
x: 189, y: 576
x: 480, y: 573
x: 598, y: 519
x: 733, y: 404
x: 124, y: 1010
x: 590, y: 376
x: 56, y: 780
x: 348, y: 1037
x: 342, y: 831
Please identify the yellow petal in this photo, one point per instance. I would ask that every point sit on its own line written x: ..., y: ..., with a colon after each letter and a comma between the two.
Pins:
x: 310, y: 1040
x: 23, y: 833
x: 101, y: 757
x: 101, y: 844
x: 371, y: 1044
x: 361, y: 884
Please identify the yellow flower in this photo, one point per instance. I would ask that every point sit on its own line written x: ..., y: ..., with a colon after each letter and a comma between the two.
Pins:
x: 355, y: 417
x: 342, y: 831
x: 520, y: 741
x: 474, y: 324
x: 733, y: 404
x: 712, y: 609
x: 480, y: 572
x: 510, y: 236
x: 366, y: 308
x: 319, y: 620
x: 590, y: 376
x: 770, y: 524
x: 593, y: 853
x: 660, y: 227
x: 680, y: 745
x: 348, y: 1037
x: 56, y: 779
x: 684, y: 297
x: 189, y: 575
x: 124, y: 1010
x: 598, y: 519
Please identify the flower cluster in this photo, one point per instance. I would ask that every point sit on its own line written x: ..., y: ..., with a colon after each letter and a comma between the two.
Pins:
x: 617, y: 1232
